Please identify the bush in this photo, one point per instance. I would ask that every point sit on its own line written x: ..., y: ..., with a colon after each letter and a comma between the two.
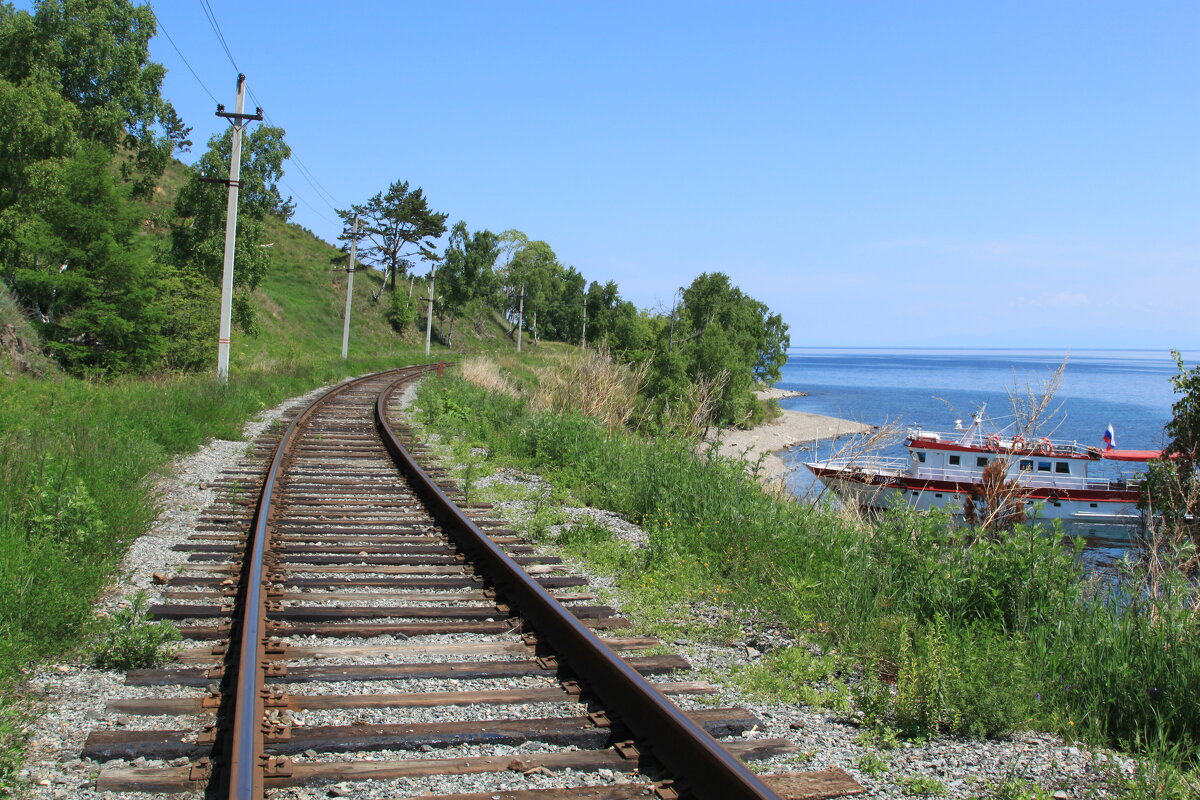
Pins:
x: 129, y: 640
x: 967, y: 681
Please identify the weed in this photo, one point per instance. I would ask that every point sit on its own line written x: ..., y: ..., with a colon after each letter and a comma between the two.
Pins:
x: 880, y: 738
x: 921, y: 786
x: 129, y: 640
x: 15, y: 717
x: 1012, y: 788
x: 871, y: 764
x: 782, y: 674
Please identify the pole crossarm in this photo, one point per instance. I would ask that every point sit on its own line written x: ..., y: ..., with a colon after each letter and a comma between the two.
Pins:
x: 257, y: 116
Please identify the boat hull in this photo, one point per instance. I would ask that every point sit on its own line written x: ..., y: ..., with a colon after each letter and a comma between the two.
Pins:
x: 873, y: 491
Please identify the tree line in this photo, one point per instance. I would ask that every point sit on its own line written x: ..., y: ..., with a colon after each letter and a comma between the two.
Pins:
x: 715, y: 337
x: 117, y: 283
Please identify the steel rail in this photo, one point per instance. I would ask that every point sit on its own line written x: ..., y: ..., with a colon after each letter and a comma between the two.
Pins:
x: 245, y: 755
x: 700, y: 765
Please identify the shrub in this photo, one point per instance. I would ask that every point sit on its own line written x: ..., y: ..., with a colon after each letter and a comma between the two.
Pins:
x: 129, y: 640
x: 966, y: 681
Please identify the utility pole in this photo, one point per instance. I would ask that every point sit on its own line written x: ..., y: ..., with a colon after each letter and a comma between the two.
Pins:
x: 429, y: 316
x: 520, y: 316
x: 349, y: 290
x: 585, y: 323
x: 238, y: 120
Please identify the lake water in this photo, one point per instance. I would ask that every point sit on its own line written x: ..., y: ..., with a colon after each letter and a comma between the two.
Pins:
x: 1129, y: 389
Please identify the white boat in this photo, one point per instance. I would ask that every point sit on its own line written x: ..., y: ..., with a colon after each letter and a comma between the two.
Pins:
x: 1051, y: 477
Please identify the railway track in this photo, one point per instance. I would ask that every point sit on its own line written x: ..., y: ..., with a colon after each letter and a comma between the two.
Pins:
x: 345, y: 621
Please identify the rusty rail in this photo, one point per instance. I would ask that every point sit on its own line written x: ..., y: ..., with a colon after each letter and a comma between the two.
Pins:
x: 246, y: 759
x: 701, y: 766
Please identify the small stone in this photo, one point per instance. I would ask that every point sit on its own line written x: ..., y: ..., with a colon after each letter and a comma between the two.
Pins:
x: 1073, y: 751
x: 182, y: 761
x: 338, y: 791
x: 310, y: 753
x: 752, y: 652
x: 796, y: 726
x: 158, y: 579
x: 1061, y: 795
x: 425, y: 748
x: 122, y: 721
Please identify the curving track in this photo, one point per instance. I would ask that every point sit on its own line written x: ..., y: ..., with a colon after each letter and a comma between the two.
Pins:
x: 348, y: 622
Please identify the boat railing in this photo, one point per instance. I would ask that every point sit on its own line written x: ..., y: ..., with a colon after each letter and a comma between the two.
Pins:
x: 1023, y: 478
x: 1004, y: 442
x: 875, y: 465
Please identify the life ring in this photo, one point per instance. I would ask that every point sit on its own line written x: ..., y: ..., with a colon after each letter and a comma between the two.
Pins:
x: 1045, y: 446
x: 1018, y: 442
x: 993, y: 442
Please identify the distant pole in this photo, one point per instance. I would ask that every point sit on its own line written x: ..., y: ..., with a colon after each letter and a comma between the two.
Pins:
x: 349, y: 290
x: 238, y: 120
x: 429, y: 316
x: 585, y: 323
x: 520, y: 316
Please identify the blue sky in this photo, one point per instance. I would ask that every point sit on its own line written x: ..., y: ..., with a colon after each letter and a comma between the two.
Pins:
x: 919, y: 173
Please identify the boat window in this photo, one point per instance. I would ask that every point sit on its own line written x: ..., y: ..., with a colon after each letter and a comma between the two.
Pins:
x: 1062, y: 467
x: 955, y: 460
x: 1026, y: 465
x: 981, y: 461
x: 1093, y: 505
x: 919, y: 456
x: 1043, y: 466
x: 938, y: 494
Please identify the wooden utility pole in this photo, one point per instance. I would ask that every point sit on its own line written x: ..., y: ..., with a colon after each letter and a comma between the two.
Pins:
x: 349, y: 289
x: 585, y: 322
x: 238, y: 120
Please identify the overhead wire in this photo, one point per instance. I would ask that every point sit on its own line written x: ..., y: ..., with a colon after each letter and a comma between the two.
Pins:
x: 324, y: 194
x: 212, y: 22
x: 183, y: 58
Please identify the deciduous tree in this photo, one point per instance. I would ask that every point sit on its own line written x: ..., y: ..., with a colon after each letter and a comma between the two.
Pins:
x: 198, y: 233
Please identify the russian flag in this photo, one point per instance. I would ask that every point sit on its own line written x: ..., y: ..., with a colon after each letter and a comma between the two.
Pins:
x: 1110, y: 438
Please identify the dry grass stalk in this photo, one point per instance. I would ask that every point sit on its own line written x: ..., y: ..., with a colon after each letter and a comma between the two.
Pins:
x: 591, y: 383
x: 485, y: 373
x: 860, y: 449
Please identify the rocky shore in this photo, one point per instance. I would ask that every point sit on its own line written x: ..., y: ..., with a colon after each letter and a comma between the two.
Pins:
x: 792, y: 428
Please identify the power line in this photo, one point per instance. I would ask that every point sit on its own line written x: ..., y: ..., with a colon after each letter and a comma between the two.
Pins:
x: 182, y: 57
x: 212, y: 21
x: 324, y: 194
x: 311, y: 207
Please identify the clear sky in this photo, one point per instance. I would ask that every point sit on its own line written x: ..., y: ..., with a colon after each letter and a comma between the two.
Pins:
x: 881, y: 173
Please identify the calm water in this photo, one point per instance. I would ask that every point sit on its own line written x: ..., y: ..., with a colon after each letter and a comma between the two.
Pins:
x: 1129, y: 389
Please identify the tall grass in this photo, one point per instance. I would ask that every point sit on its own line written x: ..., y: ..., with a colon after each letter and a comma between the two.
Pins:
x: 979, y: 633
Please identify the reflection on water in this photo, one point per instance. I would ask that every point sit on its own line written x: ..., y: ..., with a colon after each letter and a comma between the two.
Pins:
x: 1105, y: 544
